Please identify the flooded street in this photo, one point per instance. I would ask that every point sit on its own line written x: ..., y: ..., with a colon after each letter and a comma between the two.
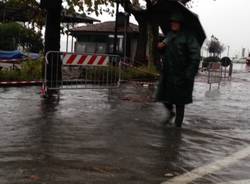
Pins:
x: 89, y: 136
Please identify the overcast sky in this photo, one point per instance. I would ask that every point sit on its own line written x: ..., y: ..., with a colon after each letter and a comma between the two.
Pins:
x: 228, y: 20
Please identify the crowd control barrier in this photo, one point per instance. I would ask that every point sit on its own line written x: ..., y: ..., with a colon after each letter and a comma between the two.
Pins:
x: 214, y: 74
x: 80, y: 71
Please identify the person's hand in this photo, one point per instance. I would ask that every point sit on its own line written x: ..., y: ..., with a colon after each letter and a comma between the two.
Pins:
x: 161, y: 45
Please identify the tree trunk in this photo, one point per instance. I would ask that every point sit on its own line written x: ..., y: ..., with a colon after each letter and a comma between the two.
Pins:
x: 153, y: 33
x: 52, y: 41
x: 140, y: 55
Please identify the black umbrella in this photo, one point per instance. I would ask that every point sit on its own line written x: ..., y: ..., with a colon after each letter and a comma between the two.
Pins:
x: 162, y: 11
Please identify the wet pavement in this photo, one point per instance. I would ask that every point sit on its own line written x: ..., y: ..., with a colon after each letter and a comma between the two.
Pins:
x: 88, y: 136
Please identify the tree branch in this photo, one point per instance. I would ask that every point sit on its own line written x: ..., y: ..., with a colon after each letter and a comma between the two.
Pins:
x: 131, y: 8
x: 149, y: 3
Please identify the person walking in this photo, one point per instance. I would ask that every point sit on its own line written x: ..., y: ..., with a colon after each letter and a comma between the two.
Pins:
x: 180, y: 64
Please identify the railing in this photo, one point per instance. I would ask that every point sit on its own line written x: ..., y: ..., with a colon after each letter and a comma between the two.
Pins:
x: 80, y: 71
x: 214, y: 74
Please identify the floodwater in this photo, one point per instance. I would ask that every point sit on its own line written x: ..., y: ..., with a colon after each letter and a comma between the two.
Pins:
x: 89, y: 136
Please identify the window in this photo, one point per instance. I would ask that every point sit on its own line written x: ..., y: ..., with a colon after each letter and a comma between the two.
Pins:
x: 80, y: 47
x: 101, y: 48
x: 119, y: 46
x: 91, y: 47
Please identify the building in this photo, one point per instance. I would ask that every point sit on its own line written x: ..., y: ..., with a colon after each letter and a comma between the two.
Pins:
x: 99, y: 38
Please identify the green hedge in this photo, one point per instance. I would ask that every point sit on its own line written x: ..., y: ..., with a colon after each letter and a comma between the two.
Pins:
x: 30, y: 70
x: 211, y: 59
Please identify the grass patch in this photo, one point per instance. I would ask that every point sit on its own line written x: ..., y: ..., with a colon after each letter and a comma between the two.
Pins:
x: 140, y: 73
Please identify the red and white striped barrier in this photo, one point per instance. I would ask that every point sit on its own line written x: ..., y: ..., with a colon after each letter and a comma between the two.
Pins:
x: 85, y: 59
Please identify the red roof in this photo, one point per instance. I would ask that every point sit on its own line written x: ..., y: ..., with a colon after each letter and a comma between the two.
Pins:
x: 104, y: 27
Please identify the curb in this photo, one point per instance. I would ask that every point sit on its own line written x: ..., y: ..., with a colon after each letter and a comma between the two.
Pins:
x: 19, y: 83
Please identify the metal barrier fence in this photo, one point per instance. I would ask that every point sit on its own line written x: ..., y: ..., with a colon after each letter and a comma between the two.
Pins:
x: 214, y: 74
x: 81, y: 71
x: 227, y: 71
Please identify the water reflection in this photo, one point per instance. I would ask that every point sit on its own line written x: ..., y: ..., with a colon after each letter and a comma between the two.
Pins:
x: 172, y: 151
x: 214, y: 93
x: 49, y: 105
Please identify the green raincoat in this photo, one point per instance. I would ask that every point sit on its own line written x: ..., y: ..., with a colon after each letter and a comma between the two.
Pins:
x: 180, y: 64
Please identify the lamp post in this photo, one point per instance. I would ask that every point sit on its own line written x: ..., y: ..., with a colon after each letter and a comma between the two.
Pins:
x: 228, y: 47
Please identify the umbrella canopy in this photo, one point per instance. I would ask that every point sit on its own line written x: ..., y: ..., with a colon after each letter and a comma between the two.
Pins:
x: 162, y: 11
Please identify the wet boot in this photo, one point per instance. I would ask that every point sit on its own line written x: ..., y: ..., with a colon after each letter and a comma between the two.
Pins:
x: 179, y: 115
x: 171, y: 113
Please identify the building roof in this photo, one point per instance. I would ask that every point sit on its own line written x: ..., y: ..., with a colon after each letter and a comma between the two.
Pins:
x: 104, y: 27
